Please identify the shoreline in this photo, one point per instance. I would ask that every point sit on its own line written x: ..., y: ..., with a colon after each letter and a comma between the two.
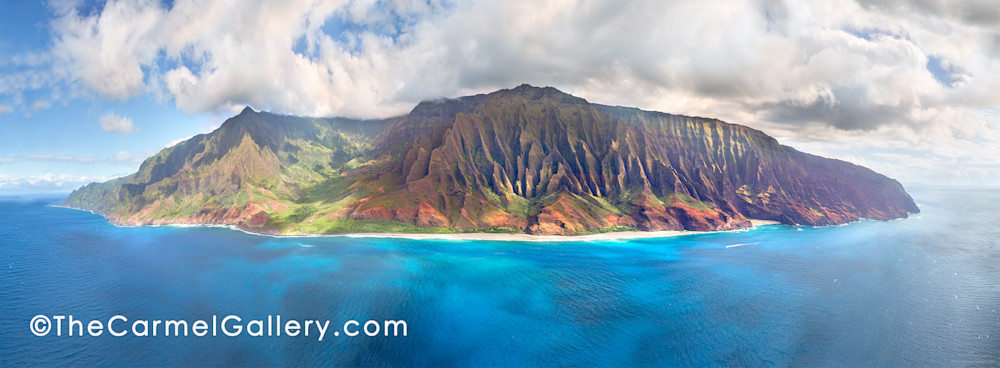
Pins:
x: 612, y: 236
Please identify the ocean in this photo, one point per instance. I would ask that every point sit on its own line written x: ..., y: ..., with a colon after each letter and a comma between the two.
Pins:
x: 923, y: 291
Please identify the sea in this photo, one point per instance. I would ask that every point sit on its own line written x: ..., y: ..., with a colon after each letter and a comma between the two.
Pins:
x: 916, y: 292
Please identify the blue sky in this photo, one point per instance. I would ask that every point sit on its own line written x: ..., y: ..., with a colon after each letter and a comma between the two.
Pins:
x: 49, y: 141
x: 909, y: 88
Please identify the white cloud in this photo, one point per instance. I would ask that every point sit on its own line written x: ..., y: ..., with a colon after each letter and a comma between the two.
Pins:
x: 890, y: 73
x: 124, y: 157
x: 40, y: 105
x: 47, y: 182
x: 5, y: 109
x: 176, y: 141
x: 106, y: 51
x: 47, y: 158
x: 830, y: 62
x: 112, y: 123
x: 117, y: 157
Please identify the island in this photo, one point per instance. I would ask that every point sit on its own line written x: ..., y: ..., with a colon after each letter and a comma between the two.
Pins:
x: 526, y: 160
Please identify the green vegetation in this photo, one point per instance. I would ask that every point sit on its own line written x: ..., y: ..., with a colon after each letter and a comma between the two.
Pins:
x: 687, y: 201
x: 530, y: 159
x: 495, y: 230
x: 347, y: 226
x: 615, y: 229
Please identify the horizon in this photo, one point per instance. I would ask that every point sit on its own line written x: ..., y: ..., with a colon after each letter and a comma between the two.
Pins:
x: 89, y: 89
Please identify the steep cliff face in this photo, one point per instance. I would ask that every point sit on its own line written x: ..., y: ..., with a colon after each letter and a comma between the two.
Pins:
x: 243, y: 173
x: 547, y: 162
x: 527, y: 159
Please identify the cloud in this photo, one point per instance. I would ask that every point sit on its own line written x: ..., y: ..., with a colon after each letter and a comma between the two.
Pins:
x: 47, y: 182
x: 178, y: 140
x: 40, y: 105
x: 107, y: 50
x: 976, y: 12
x: 5, y: 109
x: 825, y: 70
x: 117, y: 157
x: 124, y: 157
x: 112, y: 123
x: 47, y: 158
x: 858, y: 65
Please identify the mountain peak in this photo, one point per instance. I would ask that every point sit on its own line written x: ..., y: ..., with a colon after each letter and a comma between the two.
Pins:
x: 248, y: 110
x: 527, y: 159
x: 450, y: 106
x: 542, y: 93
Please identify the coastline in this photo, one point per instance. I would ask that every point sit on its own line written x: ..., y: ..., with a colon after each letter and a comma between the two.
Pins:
x: 613, y: 236
x: 623, y: 235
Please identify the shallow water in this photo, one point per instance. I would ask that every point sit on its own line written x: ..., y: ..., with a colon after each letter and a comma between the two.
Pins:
x: 924, y: 291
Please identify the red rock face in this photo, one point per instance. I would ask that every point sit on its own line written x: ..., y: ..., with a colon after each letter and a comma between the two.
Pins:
x: 340, y: 214
x: 373, y: 214
x: 551, y: 222
x: 706, y: 220
x: 533, y: 143
x: 251, y: 216
x: 534, y: 159
x: 620, y: 220
x: 258, y: 220
x: 427, y: 216
x: 276, y: 206
x: 504, y: 220
x: 406, y: 215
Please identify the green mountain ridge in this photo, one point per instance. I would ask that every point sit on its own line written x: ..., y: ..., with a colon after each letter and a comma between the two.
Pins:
x: 528, y: 159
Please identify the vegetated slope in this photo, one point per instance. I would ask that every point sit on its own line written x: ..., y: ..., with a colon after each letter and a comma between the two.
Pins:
x: 528, y: 159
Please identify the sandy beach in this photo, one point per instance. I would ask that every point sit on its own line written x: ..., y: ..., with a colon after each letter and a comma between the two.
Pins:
x: 624, y: 235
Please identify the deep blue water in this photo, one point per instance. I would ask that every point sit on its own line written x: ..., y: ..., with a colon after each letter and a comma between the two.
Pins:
x: 924, y: 291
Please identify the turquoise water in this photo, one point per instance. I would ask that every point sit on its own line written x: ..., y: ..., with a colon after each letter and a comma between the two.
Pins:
x: 924, y: 291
